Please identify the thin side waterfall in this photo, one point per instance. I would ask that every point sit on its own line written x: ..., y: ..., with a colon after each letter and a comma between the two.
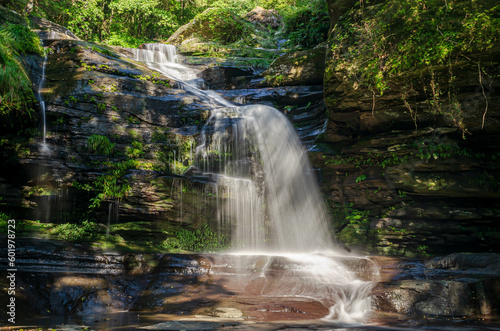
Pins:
x: 42, y: 105
x: 110, y: 208
x: 268, y: 199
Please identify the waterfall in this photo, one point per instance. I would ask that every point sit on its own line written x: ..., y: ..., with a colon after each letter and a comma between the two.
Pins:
x: 42, y: 105
x: 163, y: 58
x: 267, y: 196
x: 157, y: 53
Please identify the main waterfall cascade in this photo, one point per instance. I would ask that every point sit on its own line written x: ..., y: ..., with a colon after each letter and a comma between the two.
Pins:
x: 273, y: 209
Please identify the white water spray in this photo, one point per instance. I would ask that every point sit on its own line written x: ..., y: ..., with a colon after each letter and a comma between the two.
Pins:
x: 268, y: 196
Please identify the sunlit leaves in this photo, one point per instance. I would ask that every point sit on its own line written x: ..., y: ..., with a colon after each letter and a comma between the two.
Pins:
x: 15, y: 86
x: 410, y: 35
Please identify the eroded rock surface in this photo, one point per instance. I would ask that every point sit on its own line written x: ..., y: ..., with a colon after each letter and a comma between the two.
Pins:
x: 457, y: 285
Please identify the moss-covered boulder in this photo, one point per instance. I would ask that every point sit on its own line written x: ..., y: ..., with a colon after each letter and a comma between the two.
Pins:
x: 214, y: 24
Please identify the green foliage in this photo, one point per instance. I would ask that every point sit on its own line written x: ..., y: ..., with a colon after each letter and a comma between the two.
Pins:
x: 423, y: 251
x: 307, y: 26
x: 221, y: 25
x: 116, y: 38
x: 127, y: 23
x: 26, y: 41
x: 101, y: 108
x: 133, y: 120
x: 202, y: 239
x: 111, y: 185
x: 352, y: 226
x: 137, y: 150
x: 104, y: 51
x: 100, y: 144
x: 239, y: 7
x: 8, y: 16
x: 360, y: 178
x: 16, y: 95
x: 4, y: 218
x: 85, y: 230
x: 403, y: 41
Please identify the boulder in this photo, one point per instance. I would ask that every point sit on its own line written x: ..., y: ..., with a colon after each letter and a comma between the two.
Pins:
x: 266, y: 17
x: 50, y: 30
x: 212, y: 25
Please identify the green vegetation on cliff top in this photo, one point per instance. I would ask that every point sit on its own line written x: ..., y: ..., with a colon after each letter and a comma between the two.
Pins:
x: 133, y: 22
x: 374, y: 44
x: 414, y: 44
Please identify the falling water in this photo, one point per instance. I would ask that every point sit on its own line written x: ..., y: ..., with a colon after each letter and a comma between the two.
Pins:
x: 108, y: 227
x: 42, y: 105
x: 157, y: 53
x: 267, y: 194
x: 163, y: 58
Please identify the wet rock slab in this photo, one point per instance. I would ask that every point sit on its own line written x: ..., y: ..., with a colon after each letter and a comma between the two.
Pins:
x: 204, y: 292
x: 57, y: 280
x: 457, y: 285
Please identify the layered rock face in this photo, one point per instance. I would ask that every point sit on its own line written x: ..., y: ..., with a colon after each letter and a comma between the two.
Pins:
x: 78, y: 281
x: 116, y: 125
x: 402, y: 173
x: 415, y: 168
x: 92, y: 91
x: 298, y: 68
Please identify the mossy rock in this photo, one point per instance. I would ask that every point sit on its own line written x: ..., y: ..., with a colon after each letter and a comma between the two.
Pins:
x: 10, y: 16
x: 213, y: 24
x: 50, y: 30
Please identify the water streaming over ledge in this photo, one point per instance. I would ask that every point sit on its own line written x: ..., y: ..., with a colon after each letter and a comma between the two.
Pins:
x: 42, y: 105
x: 272, y: 205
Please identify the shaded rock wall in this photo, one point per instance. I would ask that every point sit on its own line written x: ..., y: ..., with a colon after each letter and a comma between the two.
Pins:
x: 401, y: 169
